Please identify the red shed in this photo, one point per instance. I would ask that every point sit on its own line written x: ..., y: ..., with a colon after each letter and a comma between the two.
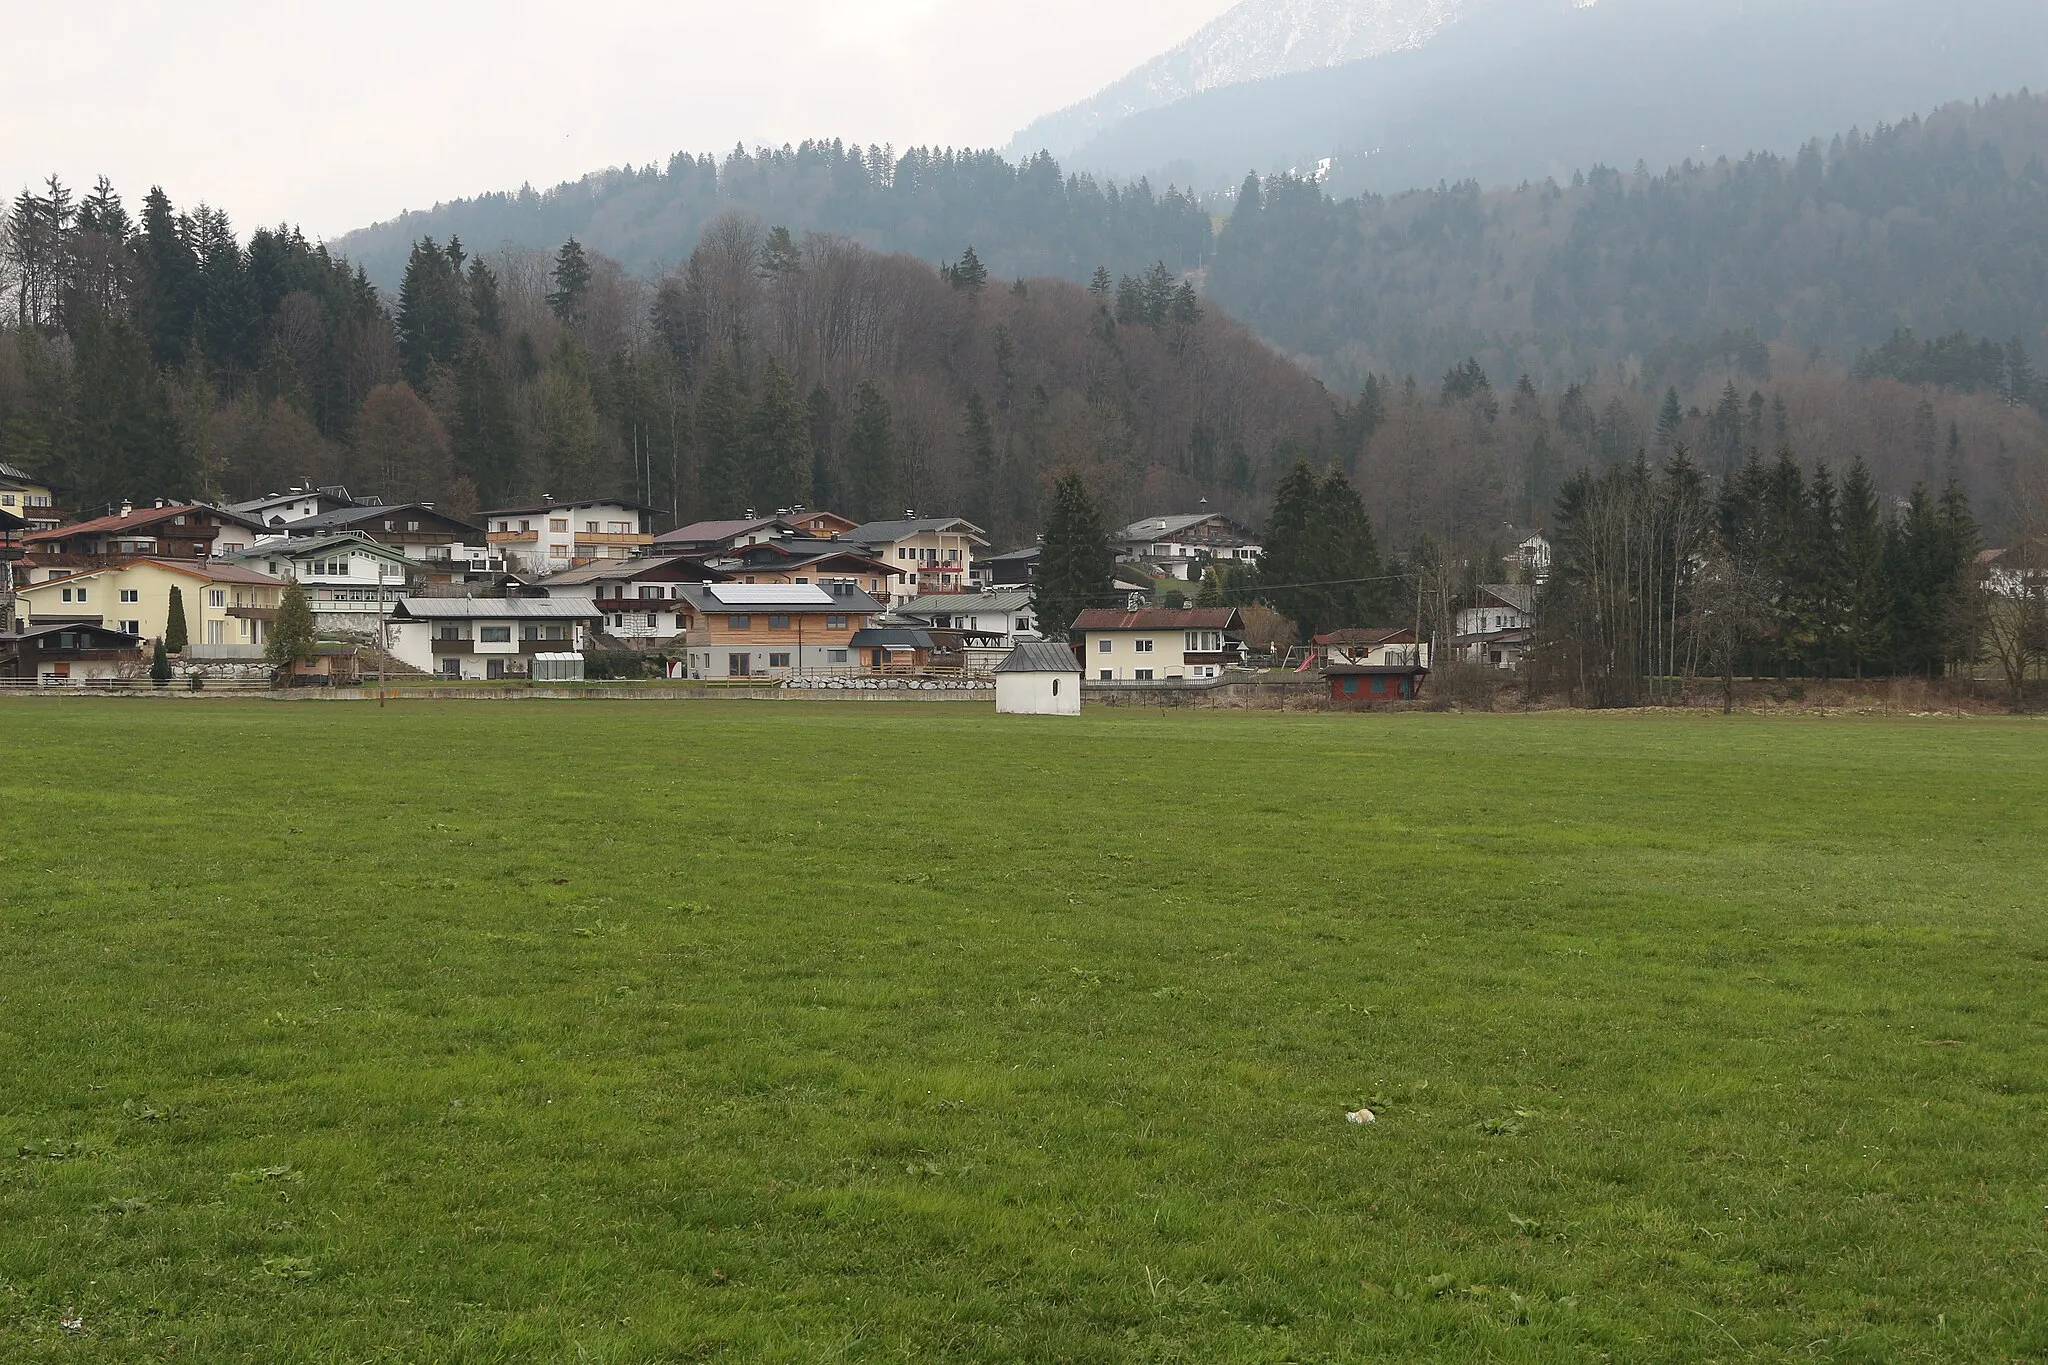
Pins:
x: 1371, y: 682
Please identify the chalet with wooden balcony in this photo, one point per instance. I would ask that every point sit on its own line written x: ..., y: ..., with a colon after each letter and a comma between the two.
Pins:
x: 69, y: 653
x: 932, y: 554
x: 448, y: 548
x: 548, y: 537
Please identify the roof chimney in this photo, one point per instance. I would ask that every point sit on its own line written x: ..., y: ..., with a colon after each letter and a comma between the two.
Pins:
x: 126, y: 507
x: 159, y: 504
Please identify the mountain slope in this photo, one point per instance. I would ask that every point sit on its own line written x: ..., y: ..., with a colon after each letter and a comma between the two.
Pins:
x: 1525, y: 89
x: 1256, y: 40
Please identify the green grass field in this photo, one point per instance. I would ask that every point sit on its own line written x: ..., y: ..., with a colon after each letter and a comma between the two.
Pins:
x: 806, y: 1032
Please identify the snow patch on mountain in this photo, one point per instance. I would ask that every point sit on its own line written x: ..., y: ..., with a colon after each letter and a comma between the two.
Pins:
x: 1254, y: 40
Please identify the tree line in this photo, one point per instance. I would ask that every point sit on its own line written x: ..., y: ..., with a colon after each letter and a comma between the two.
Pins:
x: 1027, y: 218
x: 163, y: 357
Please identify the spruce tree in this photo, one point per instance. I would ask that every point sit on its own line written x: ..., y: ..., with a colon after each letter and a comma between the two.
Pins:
x: 1862, y: 541
x: 291, y: 641
x: 981, y: 461
x: 870, y: 457
x: 176, y: 634
x: 160, y: 666
x: 1825, y: 598
x: 485, y: 436
x: 1075, y: 565
x: 722, y: 481
x: 780, y: 448
x: 779, y: 256
x: 125, y: 433
x: 1289, y: 555
x: 571, y: 278
x: 1670, y: 420
x: 968, y: 275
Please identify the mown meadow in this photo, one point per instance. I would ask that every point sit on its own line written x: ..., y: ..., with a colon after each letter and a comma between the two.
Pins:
x: 493, y: 1032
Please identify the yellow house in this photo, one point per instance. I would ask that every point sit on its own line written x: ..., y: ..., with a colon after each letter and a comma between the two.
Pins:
x: 228, y: 609
x: 27, y: 498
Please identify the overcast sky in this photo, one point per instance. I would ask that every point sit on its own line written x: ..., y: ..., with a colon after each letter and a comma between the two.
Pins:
x: 335, y: 115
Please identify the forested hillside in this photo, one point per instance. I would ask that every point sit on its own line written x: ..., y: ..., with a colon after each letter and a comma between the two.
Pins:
x: 1938, y: 225
x: 166, y: 359
x: 1025, y: 218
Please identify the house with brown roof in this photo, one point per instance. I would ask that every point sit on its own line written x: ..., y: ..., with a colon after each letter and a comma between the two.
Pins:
x: 184, y: 530
x: 69, y: 653
x: 1381, y: 648
x: 1158, y: 644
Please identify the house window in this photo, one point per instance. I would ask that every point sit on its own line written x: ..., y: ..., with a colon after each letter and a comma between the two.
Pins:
x: 778, y: 623
x: 739, y: 665
x: 648, y: 594
x: 216, y: 632
x: 1143, y: 646
x: 131, y: 595
x: 835, y: 623
x: 739, y: 623
x: 1055, y: 687
x: 590, y: 527
x: 495, y: 635
x: 451, y: 668
x: 132, y: 627
x: 557, y: 524
x: 216, y: 597
x: 1143, y: 675
x: 835, y: 656
x: 1108, y: 675
x: 652, y: 620
x: 1104, y: 645
x: 778, y: 661
x: 67, y: 594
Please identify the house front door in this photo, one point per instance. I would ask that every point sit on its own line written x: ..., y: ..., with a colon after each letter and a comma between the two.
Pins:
x: 739, y: 665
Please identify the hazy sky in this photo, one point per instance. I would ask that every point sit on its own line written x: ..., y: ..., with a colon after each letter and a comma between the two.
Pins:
x: 335, y: 115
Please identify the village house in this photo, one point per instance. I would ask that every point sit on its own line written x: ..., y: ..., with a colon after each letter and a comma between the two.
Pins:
x: 297, y: 504
x: 641, y: 600
x: 447, y: 548
x: 1385, y: 648
x: 1183, y: 546
x: 28, y: 498
x: 73, y: 652
x: 351, y: 581
x: 1158, y: 644
x: 933, y: 554
x: 825, y: 562
x: 1497, y: 627
x: 228, y: 607
x: 484, y: 638
x: 1038, y: 678
x: 185, y: 530
x: 549, y: 536
x: 1014, y: 569
x: 901, y: 649
x: 754, y: 630
x: 705, y: 538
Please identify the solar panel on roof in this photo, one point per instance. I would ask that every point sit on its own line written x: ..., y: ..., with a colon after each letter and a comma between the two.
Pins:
x: 771, y: 594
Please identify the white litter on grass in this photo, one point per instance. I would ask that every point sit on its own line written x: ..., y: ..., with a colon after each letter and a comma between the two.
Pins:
x: 73, y: 1324
x: 1361, y: 1116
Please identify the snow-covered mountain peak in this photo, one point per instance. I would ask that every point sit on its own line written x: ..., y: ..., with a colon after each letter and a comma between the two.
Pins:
x: 1252, y: 41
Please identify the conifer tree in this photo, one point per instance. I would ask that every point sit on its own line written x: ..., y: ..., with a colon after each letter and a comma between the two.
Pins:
x: 871, y: 454
x: 485, y: 436
x: 780, y: 472
x: 571, y: 278
x: 723, y: 484
x: 1862, y: 540
x: 160, y: 666
x: 779, y: 256
x: 968, y: 274
x: 291, y: 639
x: 1670, y: 420
x: 176, y: 634
x: 1101, y: 284
x: 981, y: 461
x: 1075, y: 566
x: 126, y: 436
x: 821, y: 413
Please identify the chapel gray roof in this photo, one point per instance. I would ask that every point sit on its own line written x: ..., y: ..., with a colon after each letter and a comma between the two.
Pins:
x: 881, y: 532
x: 1039, y: 656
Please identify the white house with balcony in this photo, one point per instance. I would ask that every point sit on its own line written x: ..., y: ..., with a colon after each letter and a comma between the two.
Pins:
x: 1182, y: 546
x: 482, y: 638
x: 351, y: 581
x: 548, y: 536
